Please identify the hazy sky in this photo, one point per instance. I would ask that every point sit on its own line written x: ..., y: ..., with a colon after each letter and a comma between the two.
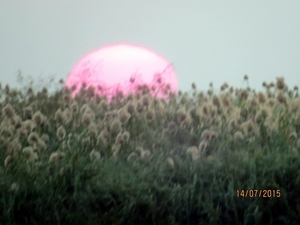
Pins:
x: 218, y: 41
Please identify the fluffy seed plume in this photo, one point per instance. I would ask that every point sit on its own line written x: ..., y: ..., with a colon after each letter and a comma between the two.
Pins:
x: 13, y: 146
x: 22, y: 134
x: 139, y: 107
x: 238, y: 136
x: 115, y: 126
x: 67, y: 114
x: 215, y: 101
x: 59, y: 117
x: 132, y: 157
x: 115, y: 148
x: 247, y: 127
x: 74, y: 107
x: 123, y: 116
x: 55, y: 156
x: 280, y: 85
x: 38, y: 118
x: 150, y: 115
x: 86, y: 119
x: 213, y: 135
x: 181, y: 115
x: 104, y: 136
x: 194, y: 151
x: 28, y: 125
x: 61, y: 133
x: 8, y: 111
x: 8, y: 160
x: 145, y: 154
x: 40, y: 145
x: 205, y: 135
x: 293, y: 136
x: 281, y: 98
x: 120, y: 139
x: 92, y: 130
x: 104, y: 105
x: 171, y: 126
x: 95, y: 155
x: 30, y: 154
x: 130, y: 107
x: 27, y: 112
x: 33, y: 138
x: 126, y: 136
x: 170, y: 161
x: 45, y: 138
x: 202, y: 147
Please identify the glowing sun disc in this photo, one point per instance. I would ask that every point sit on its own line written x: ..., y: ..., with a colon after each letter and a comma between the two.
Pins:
x: 123, y: 67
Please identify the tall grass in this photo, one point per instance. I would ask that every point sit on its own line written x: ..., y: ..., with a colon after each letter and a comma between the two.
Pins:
x: 142, y: 160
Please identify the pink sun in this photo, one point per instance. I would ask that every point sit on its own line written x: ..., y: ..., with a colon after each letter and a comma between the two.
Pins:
x: 123, y: 68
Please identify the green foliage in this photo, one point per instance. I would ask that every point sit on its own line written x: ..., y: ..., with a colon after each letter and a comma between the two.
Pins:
x: 170, y: 184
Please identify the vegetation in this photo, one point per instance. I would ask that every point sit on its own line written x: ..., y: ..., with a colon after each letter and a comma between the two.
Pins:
x: 141, y: 160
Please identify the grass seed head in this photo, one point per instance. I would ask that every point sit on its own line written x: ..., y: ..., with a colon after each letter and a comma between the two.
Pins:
x: 67, y: 115
x: 28, y: 125
x: 22, y: 134
x: 28, y: 151
x: 8, y: 111
x: 104, y: 105
x: 95, y: 155
x: 92, y: 130
x: 13, y: 147
x: 205, y: 135
x: 280, y: 85
x: 115, y: 148
x: 55, y: 156
x: 170, y: 161
x: 59, y: 117
x: 215, y: 101
x: 145, y: 100
x: 61, y: 133
x: 115, y: 126
x: 271, y: 103
x: 139, y: 107
x: 130, y: 107
x: 202, y: 147
x: 145, y: 154
x: 126, y: 136
x: 120, y: 139
x: 298, y: 143
x: 38, y: 118
x: 293, y: 136
x: 123, y: 116
x: 40, y: 145
x: 33, y: 138
x: 8, y: 160
x: 192, y: 149
x: 181, y: 114
x: 150, y: 115
x: 104, y: 137
x: 86, y: 119
x: 247, y: 127
x: 74, y: 107
x: 45, y: 138
x: 28, y: 112
x: 281, y: 98
x: 261, y: 98
x: 213, y: 135
x: 132, y: 157
x: 238, y: 136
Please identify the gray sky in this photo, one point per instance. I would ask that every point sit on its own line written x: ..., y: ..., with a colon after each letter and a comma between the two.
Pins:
x: 218, y: 41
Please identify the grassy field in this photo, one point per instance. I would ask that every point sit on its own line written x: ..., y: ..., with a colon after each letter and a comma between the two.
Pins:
x: 198, y: 158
